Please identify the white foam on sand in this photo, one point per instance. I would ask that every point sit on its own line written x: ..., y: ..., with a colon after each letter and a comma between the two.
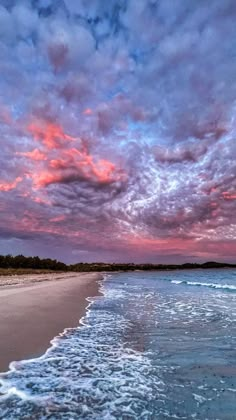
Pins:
x: 87, y: 372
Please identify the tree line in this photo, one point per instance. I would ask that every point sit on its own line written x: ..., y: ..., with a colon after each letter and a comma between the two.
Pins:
x: 20, y: 261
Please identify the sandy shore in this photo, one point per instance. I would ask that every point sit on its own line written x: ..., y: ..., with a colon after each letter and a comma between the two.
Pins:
x: 35, y: 309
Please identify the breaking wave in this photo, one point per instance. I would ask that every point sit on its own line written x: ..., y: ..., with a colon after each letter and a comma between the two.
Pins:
x: 229, y: 287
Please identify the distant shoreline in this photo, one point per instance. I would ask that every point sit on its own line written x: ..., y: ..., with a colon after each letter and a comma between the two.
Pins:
x: 103, y: 267
x: 34, y: 310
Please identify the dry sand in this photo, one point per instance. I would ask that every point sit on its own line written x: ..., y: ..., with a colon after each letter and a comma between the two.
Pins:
x: 36, y: 308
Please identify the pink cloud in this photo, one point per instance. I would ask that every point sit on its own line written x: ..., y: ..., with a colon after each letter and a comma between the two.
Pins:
x: 50, y: 134
x: 229, y: 196
x: 88, y: 111
x: 36, y: 154
x: 73, y: 165
x: 57, y: 219
x: 8, y: 186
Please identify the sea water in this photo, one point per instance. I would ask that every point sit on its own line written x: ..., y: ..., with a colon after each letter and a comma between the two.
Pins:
x: 154, y: 345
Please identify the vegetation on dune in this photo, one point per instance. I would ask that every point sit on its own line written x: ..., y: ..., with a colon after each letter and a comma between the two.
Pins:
x: 30, y: 263
x: 23, y: 265
x: 145, y: 267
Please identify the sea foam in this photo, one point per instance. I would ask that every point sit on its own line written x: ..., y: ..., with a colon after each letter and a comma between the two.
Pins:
x: 229, y: 287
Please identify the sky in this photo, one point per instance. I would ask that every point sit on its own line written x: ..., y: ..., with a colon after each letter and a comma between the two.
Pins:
x: 118, y: 130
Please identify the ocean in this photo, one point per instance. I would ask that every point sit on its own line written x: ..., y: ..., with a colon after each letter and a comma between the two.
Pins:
x: 154, y: 345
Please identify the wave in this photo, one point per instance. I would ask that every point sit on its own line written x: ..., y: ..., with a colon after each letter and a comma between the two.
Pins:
x: 228, y: 287
x: 88, y: 372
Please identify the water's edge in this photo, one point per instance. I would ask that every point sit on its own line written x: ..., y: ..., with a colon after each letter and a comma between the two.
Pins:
x: 54, y: 341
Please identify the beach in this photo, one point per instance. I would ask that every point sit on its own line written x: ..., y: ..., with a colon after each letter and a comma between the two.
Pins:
x: 36, y: 308
x: 152, y: 345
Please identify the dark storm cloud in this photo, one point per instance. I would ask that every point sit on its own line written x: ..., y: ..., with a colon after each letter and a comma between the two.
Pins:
x: 118, y: 121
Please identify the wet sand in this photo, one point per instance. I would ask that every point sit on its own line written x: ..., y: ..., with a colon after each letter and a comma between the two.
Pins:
x: 33, y: 311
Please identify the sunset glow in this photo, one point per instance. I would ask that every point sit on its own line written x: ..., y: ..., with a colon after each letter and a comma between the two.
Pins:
x: 118, y: 130
x: 51, y: 135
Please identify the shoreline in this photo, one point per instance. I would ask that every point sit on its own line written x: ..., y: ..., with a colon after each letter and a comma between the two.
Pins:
x: 33, y: 312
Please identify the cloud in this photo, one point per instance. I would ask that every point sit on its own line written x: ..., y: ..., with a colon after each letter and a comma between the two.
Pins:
x: 8, y: 186
x: 118, y: 122
x: 182, y: 153
x: 51, y: 135
x: 35, y: 154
